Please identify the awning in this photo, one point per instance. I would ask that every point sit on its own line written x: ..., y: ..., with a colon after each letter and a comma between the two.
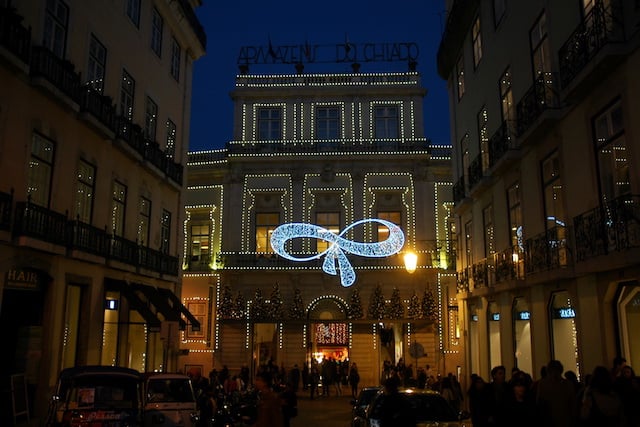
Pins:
x: 161, y: 303
x: 135, y: 303
x: 177, y: 305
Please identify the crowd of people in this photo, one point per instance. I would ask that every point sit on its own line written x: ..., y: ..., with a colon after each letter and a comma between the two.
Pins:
x: 608, y: 397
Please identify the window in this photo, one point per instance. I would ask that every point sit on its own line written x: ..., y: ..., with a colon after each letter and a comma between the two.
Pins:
x: 269, y: 124
x: 499, y: 7
x: 468, y: 243
x: 507, y: 107
x: 515, y: 217
x: 553, y: 193
x: 613, y: 164
x: 150, y: 119
x: 394, y: 217
x: 477, y: 42
x: 170, y: 149
x: 489, y: 240
x: 176, y: 54
x: 386, y: 122
x: 97, y: 64
x: 483, y: 134
x: 541, y: 59
x: 265, y: 224
x: 199, y: 310
x: 165, y: 231
x: 144, y: 221
x: 40, y: 170
x: 327, y: 123
x: 56, y: 23
x: 127, y: 92
x: 200, y: 245
x: 157, y: 25
x: 85, y: 192
x: 133, y: 11
x: 329, y: 221
x: 460, y: 76
x: 466, y: 161
x: 118, y: 208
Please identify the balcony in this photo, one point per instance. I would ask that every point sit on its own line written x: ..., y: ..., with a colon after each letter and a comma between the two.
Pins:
x: 549, y: 250
x: 43, y: 224
x: 611, y: 228
x: 509, y: 265
x: 534, y: 107
x: 478, y: 178
x: 592, y: 46
x: 503, y: 147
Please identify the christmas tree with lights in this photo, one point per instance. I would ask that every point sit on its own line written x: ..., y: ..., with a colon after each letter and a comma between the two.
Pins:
x: 296, y: 311
x: 276, y: 309
x: 258, y: 306
x: 376, y: 304
x: 239, y: 305
x: 225, y: 306
x: 355, y: 305
x: 429, y: 306
x: 395, y: 309
x: 414, y: 310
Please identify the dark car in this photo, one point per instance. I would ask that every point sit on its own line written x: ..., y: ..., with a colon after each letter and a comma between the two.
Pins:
x: 97, y: 396
x: 360, y: 403
x: 413, y: 407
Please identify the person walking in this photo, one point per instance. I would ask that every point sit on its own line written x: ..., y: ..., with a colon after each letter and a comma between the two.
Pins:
x: 289, y: 404
x: 479, y: 401
x: 269, y: 412
x: 556, y: 398
x: 354, y: 379
x: 601, y: 405
x: 314, y: 379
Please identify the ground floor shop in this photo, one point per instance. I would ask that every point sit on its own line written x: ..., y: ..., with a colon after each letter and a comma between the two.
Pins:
x: 582, y: 322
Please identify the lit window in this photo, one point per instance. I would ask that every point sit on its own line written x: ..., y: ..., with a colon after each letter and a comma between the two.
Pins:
x: 97, y: 64
x: 477, y: 42
x: 84, y: 192
x: 265, y: 224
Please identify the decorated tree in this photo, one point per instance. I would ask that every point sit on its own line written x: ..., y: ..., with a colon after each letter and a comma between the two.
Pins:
x: 225, y: 306
x: 296, y: 311
x: 276, y: 309
x: 429, y: 306
x: 259, y: 309
x: 376, y: 304
x: 395, y: 309
x: 414, y: 310
x: 355, y: 305
x: 239, y: 305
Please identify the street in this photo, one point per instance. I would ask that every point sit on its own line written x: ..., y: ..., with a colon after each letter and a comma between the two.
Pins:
x: 323, y: 411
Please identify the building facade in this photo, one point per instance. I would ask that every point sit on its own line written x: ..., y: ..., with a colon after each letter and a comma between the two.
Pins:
x: 94, y: 129
x: 544, y: 103
x: 329, y: 150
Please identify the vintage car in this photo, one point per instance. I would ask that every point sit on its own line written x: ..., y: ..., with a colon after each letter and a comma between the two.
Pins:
x: 97, y: 396
x: 169, y: 401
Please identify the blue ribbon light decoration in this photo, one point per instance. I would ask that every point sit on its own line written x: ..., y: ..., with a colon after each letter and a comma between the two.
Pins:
x: 335, y: 252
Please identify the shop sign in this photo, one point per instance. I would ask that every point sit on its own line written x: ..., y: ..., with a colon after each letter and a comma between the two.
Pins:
x: 23, y: 279
x: 564, y: 313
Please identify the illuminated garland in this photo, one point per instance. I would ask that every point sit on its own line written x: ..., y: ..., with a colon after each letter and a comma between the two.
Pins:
x: 335, y: 253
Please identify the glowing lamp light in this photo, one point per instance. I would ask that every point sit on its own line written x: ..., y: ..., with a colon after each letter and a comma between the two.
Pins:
x: 335, y: 253
x: 410, y: 261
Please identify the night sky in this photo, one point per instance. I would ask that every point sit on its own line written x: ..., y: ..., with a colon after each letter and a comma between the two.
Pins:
x: 232, y: 25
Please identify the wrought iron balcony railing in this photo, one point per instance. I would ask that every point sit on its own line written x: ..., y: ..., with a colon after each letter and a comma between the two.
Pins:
x: 601, y: 26
x: 548, y: 250
x: 543, y: 95
x: 49, y: 226
x: 459, y: 191
x: 612, y: 227
x: 509, y: 264
x: 59, y: 72
x: 501, y: 142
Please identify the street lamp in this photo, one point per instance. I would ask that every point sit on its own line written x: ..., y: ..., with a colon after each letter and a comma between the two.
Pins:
x: 410, y: 261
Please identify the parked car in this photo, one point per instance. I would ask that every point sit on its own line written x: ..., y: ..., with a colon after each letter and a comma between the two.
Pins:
x: 96, y: 396
x: 360, y: 403
x: 169, y: 401
x: 426, y: 408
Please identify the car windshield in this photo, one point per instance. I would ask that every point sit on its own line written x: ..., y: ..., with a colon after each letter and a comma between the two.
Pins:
x: 102, y: 391
x: 366, y: 396
x: 170, y: 390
